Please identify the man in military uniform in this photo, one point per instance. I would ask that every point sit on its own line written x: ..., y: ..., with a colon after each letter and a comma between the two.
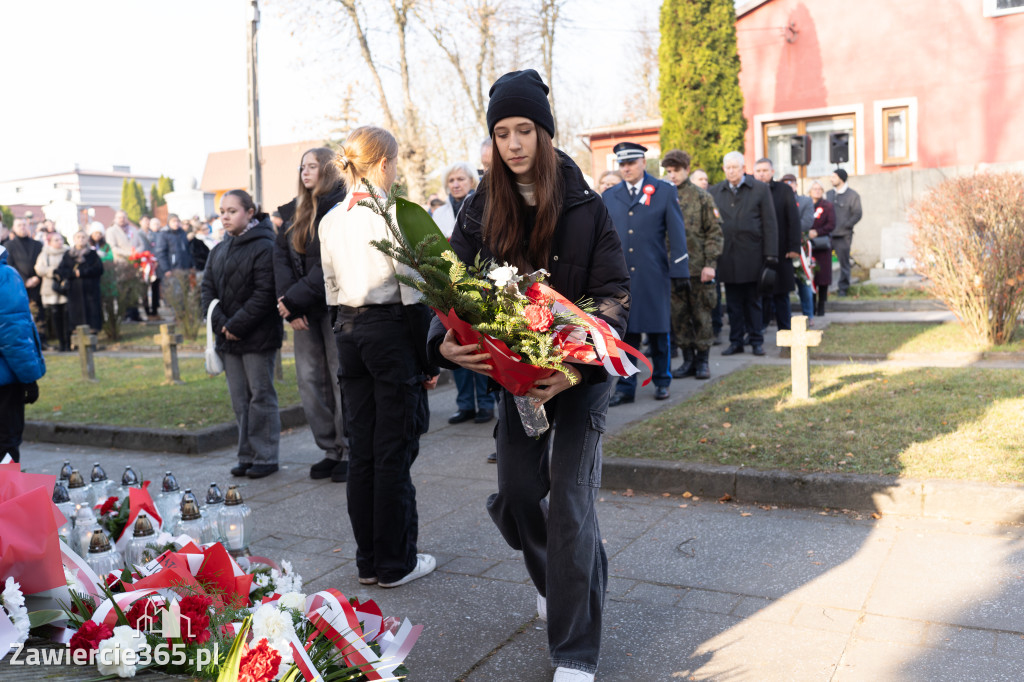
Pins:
x: 691, y: 309
x: 647, y: 216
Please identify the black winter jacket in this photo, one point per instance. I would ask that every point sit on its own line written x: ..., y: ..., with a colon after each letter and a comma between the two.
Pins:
x: 586, y: 258
x: 300, y: 277
x: 240, y: 272
x: 749, y: 227
x: 787, y: 215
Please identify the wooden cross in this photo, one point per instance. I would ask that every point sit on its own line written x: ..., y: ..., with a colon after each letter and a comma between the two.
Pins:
x: 86, y: 342
x: 799, y: 339
x: 168, y: 342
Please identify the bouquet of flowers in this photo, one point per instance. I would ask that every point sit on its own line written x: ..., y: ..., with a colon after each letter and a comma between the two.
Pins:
x: 145, y: 263
x: 194, y: 611
x: 529, y: 329
x: 806, y: 267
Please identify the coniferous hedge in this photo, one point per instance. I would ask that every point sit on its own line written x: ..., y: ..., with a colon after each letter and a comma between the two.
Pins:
x: 701, y: 101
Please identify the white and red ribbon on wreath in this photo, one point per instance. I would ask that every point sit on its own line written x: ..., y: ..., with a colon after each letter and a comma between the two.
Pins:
x: 806, y: 264
x: 646, y: 198
x: 608, y: 348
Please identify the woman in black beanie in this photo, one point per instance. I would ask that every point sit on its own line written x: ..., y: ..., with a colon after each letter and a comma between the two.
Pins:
x: 534, y: 210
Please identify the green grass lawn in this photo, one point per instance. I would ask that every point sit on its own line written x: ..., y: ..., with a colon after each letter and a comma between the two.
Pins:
x: 871, y: 292
x: 885, y: 338
x: 956, y: 423
x: 130, y: 392
x: 139, y: 336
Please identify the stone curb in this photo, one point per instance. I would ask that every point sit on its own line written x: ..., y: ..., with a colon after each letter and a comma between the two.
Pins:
x: 941, y: 499
x: 155, y: 440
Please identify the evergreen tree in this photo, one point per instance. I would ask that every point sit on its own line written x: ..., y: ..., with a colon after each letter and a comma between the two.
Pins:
x: 140, y: 196
x: 162, y: 186
x: 166, y: 187
x: 133, y: 202
x: 701, y: 101
x: 6, y: 216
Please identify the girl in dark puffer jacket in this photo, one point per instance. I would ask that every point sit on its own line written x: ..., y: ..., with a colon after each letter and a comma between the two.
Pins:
x: 240, y: 275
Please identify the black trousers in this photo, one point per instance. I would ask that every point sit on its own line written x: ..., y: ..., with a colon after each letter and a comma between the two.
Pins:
x: 383, y: 403
x: 12, y: 419
x: 57, y: 325
x: 744, y: 306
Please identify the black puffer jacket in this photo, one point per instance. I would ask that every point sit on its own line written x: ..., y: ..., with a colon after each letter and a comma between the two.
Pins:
x: 240, y: 272
x: 300, y: 277
x: 586, y: 256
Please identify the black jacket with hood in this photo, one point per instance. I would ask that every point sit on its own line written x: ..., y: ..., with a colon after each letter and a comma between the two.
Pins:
x: 586, y: 259
x: 300, y: 277
x: 240, y: 272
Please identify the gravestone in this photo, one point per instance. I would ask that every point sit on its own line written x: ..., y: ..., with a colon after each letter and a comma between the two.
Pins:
x: 798, y: 339
x: 168, y: 342
x: 85, y: 340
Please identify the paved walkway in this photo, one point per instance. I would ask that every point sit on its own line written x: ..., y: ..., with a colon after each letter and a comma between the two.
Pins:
x: 698, y: 590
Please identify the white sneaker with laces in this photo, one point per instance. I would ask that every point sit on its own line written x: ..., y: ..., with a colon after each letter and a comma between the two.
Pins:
x: 572, y: 675
x: 542, y: 607
x: 425, y: 563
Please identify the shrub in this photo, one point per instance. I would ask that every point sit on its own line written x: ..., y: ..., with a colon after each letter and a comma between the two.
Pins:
x: 124, y: 289
x: 968, y: 238
x: 182, y: 291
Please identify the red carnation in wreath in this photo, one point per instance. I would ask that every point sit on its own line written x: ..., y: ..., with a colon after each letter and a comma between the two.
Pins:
x: 259, y: 663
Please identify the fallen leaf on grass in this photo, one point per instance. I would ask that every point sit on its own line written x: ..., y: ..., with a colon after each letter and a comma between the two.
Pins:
x: 725, y: 498
x: 703, y: 440
x: 726, y: 425
x: 727, y: 409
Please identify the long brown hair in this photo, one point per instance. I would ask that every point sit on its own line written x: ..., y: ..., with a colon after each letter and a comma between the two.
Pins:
x: 306, y: 201
x: 504, y: 213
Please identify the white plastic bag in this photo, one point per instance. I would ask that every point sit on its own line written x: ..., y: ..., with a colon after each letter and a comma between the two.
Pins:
x: 214, y: 365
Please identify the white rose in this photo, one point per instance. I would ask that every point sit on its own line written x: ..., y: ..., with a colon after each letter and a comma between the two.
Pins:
x: 293, y: 600
x: 272, y: 623
x: 503, y: 275
x: 119, y: 655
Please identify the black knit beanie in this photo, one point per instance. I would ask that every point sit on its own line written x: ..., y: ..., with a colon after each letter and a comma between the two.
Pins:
x: 520, y: 93
x: 841, y: 172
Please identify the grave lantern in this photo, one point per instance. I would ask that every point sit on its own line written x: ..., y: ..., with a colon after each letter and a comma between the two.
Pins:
x: 235, y: 522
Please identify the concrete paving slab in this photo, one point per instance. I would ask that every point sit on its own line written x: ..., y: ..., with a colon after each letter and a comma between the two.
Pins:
x: 890, y: 661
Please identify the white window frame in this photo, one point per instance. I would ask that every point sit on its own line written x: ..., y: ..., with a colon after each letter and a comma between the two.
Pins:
x: 855, y: 110
x: 989, y: 9
x: 881, y: 105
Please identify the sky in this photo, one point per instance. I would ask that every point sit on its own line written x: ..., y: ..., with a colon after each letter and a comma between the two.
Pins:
x: 158, y: 85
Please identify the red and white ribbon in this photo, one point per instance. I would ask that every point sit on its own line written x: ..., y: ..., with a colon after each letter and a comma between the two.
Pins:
x: 648, y: 191
x: 806, y: 266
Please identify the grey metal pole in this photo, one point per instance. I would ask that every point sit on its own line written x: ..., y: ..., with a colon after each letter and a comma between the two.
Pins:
x: 255, y: 172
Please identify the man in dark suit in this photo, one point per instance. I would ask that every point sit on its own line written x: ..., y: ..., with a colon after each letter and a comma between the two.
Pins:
x: 646, y: 213
x: 751, y: 243
x: 787, y: 215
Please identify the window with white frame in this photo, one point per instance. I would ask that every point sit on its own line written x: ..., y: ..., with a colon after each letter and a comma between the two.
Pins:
x: 896, y: 131
x: 997, y: 8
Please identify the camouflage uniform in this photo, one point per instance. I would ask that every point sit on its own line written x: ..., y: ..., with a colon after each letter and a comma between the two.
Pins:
x: 691, y: 310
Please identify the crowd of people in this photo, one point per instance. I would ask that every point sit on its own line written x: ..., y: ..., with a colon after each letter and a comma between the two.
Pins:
x: 652, y: 254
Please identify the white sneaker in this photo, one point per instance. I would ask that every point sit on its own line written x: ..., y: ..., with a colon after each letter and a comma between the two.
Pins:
x: 425, y: 563
x: 542, y: 607
x: 572, y: 675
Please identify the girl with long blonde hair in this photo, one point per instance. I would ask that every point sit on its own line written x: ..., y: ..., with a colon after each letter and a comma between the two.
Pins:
x: 381, y: 336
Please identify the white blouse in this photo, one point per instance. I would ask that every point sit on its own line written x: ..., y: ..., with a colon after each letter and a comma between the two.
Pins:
x: 355, y: 273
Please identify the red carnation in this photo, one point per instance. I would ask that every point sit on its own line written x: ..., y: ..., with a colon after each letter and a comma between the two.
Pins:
x: 89, y: 635
x: 259, y: 663
x: 108, y: 505
x: 539, y: 317
x: 196, y: 629
x: 142, y: 607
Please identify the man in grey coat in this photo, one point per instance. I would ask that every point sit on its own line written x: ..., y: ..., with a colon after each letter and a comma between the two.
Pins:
x: 848, y: 213
x: 751, y: 243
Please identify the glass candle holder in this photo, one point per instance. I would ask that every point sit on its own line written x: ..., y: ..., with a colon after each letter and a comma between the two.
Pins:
x: 138, y: 552
x: 101, y: 556
x: 129, y: 480
x: 79, y: 492
x: 192, y: 523
x: 235, y: 522
x: 67, y: 508
x: 101, y: 485
x: 168, y: 500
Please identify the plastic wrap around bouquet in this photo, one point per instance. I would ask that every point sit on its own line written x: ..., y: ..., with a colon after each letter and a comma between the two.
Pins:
x: 529, y: 329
